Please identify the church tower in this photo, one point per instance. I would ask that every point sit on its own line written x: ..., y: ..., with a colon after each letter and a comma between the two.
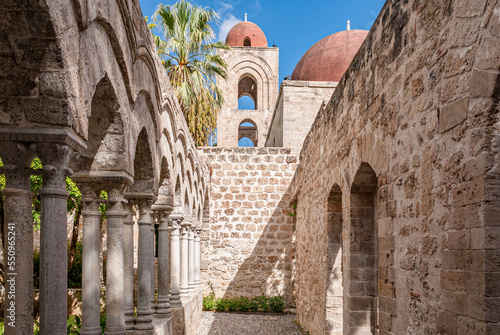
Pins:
x: 252, y: 72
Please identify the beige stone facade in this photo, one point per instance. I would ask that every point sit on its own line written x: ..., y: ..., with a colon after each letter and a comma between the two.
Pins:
x: 253, y: 71
x: 388, y: 224
x: 397, y: 186
x: 247, y: 244
x: 296, y: 108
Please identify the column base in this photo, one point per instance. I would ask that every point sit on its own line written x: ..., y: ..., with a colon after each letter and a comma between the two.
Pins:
x: 144, y: 321
x: 162, y: 310
x: 143, y: 332
x: 91, y: 331
x: 116, y: 331
x: 129, y: 322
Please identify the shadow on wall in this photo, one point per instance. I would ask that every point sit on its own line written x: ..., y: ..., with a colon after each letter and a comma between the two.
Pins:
x: 269, y: 267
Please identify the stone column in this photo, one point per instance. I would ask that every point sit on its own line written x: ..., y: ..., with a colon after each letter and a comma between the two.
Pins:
x: 197, y: 258
x: 53, y: 238
x: 18, y: 248
x: 128, y: 265
x: 91, y: 269
x: 163, y: 301
x: 163, y: 207
x: 153, y: 269
x: 175, y: 260
x: 191, y: 259
x: 184, y: 291
x: 144, y: 320
x: 115, y: 284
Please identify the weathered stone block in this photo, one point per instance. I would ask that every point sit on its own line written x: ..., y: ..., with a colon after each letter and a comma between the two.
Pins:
x: 453, y: 114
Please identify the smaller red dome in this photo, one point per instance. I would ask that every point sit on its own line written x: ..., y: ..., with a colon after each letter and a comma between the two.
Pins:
x: 246, y: 33
x: 329, y: 58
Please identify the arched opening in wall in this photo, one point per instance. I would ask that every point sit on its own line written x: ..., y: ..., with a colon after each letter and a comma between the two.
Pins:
x: 178, y: 196
x: 362, y: 292
x: 247, y: 87
x: 247, y: 42
x: 247, y: 134
x: 334, y: 263
x: 106, y: 142
x: 187, y: 208
x: 144, y: 179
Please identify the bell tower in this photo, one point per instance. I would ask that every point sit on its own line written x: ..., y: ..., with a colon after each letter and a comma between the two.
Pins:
x: 252, y: 72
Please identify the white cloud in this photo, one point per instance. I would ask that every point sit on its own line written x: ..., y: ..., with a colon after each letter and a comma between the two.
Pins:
x: 256, y: 6
x: 229, y: 21
x: 223, y: 8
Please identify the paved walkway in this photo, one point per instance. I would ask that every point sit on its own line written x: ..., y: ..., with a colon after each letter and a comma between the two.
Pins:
x: 247, y: 324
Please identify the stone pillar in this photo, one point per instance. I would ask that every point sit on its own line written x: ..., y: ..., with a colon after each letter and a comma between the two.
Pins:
x: 153, y: 269
x: 144, y: 320
x: 163, y: 207
x: 163, y: 302
x: 191, y: 259
x: 184, y: 291
x: 53, y: 238
x: 18, y: 248
x: 91, y: 269
x: 197, y: 257
x: 175, y: 260
x: 115, y: 284
x: 128, y: 265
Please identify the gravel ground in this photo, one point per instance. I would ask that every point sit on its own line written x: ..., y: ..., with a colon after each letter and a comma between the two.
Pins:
x: 251, y: 324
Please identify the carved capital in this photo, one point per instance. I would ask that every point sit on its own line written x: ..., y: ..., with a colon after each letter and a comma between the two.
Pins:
x: 175, y: 221
x: 116, y: 198
x: 128, y: 212
x: 55, y: 159
x: 17, y: 158
x: 90, y: 197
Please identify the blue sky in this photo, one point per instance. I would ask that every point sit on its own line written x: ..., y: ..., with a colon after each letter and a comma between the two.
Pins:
x: 293, y: 25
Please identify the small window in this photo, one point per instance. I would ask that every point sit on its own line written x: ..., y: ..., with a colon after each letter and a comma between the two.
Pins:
x: 247, y: 134
x: 247, y: 90
x: 247, y: 42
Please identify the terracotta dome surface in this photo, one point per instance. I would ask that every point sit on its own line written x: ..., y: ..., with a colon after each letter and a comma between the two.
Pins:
x: 329, y: 58
x: 243, y: 30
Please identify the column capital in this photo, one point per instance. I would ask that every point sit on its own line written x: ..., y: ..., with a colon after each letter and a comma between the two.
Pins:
x: 116, y: 199
x: 175, y: 221
x: 90, y: 198
x: 128, y: 212
x: 144, y: 201
x: 165, y: 200
x: 55, y: 159
x: 17, y: 158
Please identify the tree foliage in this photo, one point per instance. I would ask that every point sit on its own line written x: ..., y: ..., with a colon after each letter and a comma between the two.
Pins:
x: 190, y: 57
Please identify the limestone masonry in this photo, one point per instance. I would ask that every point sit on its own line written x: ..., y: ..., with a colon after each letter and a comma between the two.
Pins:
x: 372, y: 204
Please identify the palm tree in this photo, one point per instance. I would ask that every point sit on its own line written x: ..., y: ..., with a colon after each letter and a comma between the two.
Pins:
x: 190, y: 57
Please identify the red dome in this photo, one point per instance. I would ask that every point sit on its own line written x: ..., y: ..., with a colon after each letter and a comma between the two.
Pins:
x: 329, y: 58
x: 247, y: 32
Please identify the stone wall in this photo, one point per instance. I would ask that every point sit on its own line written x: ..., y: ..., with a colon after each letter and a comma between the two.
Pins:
x: 247, y: 244
x: 296, y: 108
x: 409, y: 143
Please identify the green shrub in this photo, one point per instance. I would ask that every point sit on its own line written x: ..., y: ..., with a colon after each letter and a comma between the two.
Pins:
x: 275, y: 304
x: 209, y: 302
x: 102, y: 322
x: 74, y: 325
